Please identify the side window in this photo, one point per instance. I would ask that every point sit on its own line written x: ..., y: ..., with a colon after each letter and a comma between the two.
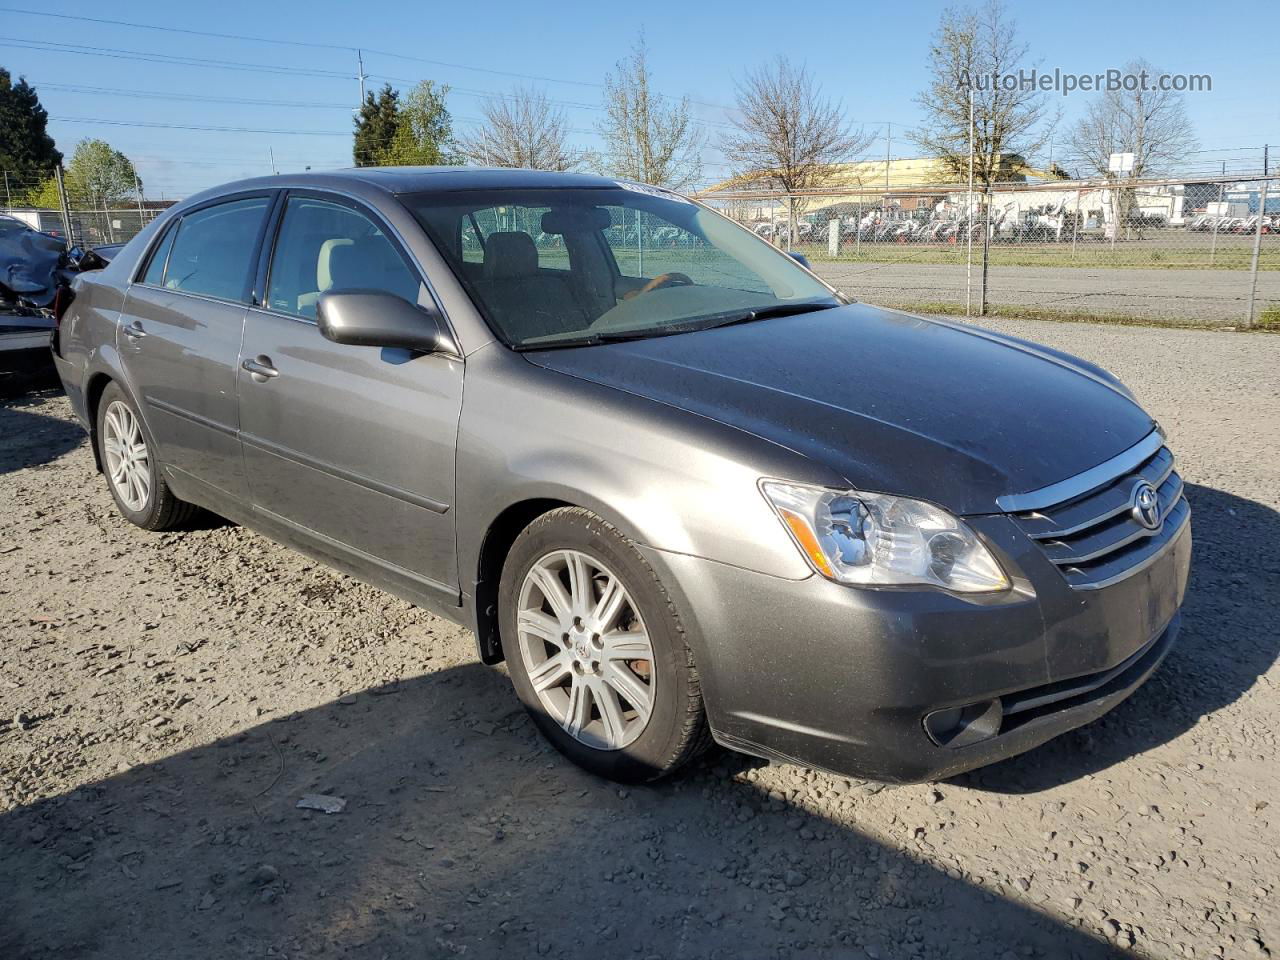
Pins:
x: 155, y: 269
x: 552, y: 254
x: 213, y: 248
x: 328, y: 246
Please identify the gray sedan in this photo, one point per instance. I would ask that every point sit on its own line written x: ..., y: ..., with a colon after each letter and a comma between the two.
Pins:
x: 686, y: 490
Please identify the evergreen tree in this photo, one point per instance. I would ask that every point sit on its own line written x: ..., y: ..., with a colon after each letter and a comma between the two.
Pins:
x: 376, y: 127
x: 26, y: 149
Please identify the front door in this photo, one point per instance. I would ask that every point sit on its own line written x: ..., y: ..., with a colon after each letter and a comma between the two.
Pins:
x: 179, y: 340
x: 352, y: 447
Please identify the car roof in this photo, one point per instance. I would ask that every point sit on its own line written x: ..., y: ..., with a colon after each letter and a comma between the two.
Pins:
x: 403, y: 180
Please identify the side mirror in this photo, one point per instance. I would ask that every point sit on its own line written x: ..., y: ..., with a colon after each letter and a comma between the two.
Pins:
x: 801, y: 259
x: 374, y: 318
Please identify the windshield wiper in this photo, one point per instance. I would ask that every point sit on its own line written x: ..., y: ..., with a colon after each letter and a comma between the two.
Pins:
x: 767, y: 313
x: 596, y: 339
x: 670, y: 330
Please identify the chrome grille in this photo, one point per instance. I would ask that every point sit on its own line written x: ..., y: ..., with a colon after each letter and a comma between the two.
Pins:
x: 1094, y: 538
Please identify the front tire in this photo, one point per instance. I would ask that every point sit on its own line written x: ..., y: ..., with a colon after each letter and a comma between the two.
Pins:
x: 128, y: 460
x: 596, y: 651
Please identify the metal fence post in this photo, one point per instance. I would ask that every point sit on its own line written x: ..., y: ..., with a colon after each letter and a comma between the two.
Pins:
x: 1257, y: 246
x: 63, y: 205
x: 1075, y: 225
x: 138, y: 187
x: 1213, y: 244
x: 986, y: 254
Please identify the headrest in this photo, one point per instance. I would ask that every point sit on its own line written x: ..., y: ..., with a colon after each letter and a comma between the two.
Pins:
x: 324, y: 269
x: 568, y: 220
x: 355, y: 265
x: 509, y: 254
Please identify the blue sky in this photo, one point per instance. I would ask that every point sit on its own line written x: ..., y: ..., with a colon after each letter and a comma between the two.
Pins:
x: 871, y: 56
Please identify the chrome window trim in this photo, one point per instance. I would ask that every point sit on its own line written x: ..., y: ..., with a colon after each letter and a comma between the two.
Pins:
x: 1082, y: 483
x: 194, y: 296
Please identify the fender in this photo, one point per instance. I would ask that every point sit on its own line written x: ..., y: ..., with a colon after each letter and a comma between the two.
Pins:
x: 686, y: 487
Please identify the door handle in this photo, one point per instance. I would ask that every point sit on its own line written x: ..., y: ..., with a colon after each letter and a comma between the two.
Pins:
x: 134, y: 331
x: 260, y: 369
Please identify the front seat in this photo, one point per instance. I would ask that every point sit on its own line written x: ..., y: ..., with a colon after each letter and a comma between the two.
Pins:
x: 324, y: 275
x: 528, y: 303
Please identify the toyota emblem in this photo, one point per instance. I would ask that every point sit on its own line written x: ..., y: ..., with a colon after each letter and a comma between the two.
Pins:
x: 1145, y: 505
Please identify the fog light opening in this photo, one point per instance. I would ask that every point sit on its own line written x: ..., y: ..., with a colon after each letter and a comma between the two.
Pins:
x: 962, y: 726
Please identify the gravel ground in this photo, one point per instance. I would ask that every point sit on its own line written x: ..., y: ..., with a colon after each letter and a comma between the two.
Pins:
x: 167, y: 700
x: 1217, y: 297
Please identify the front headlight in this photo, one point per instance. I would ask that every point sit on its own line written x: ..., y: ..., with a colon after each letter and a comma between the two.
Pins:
x: 873, y: 539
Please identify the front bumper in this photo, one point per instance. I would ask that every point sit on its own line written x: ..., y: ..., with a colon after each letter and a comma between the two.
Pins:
x: 840, y: 678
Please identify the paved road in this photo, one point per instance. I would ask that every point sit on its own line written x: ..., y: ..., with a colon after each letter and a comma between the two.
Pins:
x: 1215, y: 296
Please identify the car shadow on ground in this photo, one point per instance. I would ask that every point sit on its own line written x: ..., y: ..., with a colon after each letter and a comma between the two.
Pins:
x: 30, y: 437
x: 1230, y: 637
x: 463, y: 834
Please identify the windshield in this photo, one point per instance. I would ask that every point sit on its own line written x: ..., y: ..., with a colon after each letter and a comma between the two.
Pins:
x: 570, y: 266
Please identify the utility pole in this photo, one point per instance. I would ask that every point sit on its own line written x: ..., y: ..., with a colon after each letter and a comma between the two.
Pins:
x: 361, y: 77
x: 271, y: 155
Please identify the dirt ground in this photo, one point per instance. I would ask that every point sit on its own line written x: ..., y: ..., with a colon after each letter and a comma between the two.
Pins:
x: 167, y: 700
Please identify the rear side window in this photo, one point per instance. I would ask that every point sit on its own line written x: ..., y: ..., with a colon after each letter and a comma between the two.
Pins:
x: 213, y: 249
x: 155, y: 269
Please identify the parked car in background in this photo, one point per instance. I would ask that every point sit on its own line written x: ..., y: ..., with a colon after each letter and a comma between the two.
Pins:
x: 687, y: 493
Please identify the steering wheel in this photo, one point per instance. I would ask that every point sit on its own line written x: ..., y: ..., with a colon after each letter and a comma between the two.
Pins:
x: 660, y: 281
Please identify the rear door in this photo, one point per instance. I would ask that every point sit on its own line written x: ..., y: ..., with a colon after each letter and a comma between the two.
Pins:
x: 179, y: 339
x: 351, y: 447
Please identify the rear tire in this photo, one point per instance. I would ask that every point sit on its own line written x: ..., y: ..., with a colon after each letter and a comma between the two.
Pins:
x: 133, y: 474
x: 601, y: 661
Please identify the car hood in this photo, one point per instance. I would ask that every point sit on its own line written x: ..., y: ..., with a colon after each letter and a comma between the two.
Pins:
x: 892, y: 402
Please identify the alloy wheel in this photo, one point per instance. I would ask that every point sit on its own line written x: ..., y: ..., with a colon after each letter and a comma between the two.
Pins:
x: 128, y: 462
x: 585, y: 649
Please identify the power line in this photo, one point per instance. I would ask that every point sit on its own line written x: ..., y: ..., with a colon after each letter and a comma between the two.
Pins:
x: 327, y: 46
x: 192, y: 126
x: 193, y: 98
x: 116, y: 53
x: 122, y: 54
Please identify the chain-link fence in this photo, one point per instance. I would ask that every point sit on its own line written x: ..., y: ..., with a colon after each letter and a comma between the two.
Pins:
x: 80, y: 216
x: 1206, y: 252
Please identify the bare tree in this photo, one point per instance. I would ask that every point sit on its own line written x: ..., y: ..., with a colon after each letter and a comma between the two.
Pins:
x: 976, y: 61
x: 789, y: 132
x: 648, y: 137
x: 979, y: 50
x: 1149, y: 123
x: 521, y: 129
